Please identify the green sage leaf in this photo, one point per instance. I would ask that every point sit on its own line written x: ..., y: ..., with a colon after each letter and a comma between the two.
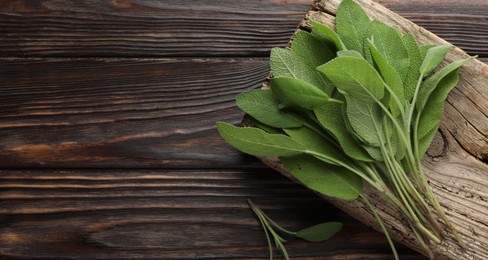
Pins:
x: 320, y: 232
x: 415, y: 60
x: 391, y: 136
x: 323, y: 32
x: 317, y: 145
x: 374, y: 152
x: 262, y: 106
x: 312, y: 50
x: 389, y: 43
x: 326, y: 179
x: 296, y: 93
x: 366, y: 120
x: 392, y: 79
x: 257, y: 142
x: 352, y: 25
x: 287, y: 64
x: 424, y: 49
x: 433, y: 58
x: 356, y: 77
x: 331, y: 118
x: 349, y: 53
x: 430, y: 84
x: 268, y: 129
x: 430, y: 110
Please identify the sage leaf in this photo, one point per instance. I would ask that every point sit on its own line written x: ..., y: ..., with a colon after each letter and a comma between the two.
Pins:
x: 262, y: 106
x: 424, y: 49
x: 366, y: 120
x: 441, y: 83
x: 296, y: 93
x: 257, y: 142
x: 430, y: 84
x: 374, y: 152
x: 312, y: 50
x: 287, y: 64
x: 434, y: 57
x: 392, y: 79
x: 349, y: 53
x: 352, y: 25
x: 320, y: 232
x: 323, y: 32
x: 268, y: 129
x: 326, y: 179
x: 331, y: 119
x: 389, y: 43
x: 394, y: 146
x: 415, y: 60
x: 317, y: 145
x: 356, y: 77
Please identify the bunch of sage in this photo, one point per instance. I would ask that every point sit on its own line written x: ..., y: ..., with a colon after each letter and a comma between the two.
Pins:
x: 358, y: 104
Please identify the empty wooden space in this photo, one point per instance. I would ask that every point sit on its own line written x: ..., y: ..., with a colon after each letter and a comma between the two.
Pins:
x: 108, y: 146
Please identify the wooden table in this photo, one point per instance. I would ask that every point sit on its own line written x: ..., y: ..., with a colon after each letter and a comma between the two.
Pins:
x: 107, y: 139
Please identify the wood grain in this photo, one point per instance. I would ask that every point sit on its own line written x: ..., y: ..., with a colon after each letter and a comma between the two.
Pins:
x: 109, y: 84
x: 462, y: 23
x: 146, y: 28
x: 121, y: 113
x: 166, y: 214
x: 105, y: 28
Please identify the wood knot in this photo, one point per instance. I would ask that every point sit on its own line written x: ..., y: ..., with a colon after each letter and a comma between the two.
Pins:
x: 438, y: 147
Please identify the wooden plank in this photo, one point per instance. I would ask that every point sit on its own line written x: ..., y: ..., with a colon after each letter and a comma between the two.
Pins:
x: 166, y: 214
x: 462, y: 23
x: 147, y: 28
x: 122, y: 113
x: 205, y: 28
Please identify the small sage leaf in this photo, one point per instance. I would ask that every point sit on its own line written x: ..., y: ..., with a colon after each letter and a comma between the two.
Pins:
x: 434, y: 57
x: 320, y: 232
x: 440, y: 84
x: 424, y: 49
x: 430, y: 84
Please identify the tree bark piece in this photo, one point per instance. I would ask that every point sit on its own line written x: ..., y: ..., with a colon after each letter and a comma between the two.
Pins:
x: 456, y: 165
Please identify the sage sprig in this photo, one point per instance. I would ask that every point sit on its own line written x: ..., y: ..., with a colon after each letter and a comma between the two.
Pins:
x: 275, y: 232
x: 359, y: 104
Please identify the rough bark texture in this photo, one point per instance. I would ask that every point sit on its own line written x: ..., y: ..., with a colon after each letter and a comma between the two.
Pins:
x: 456, y: 165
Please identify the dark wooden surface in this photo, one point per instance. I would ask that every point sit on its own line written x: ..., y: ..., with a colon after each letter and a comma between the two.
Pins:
x: 107, y: 139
